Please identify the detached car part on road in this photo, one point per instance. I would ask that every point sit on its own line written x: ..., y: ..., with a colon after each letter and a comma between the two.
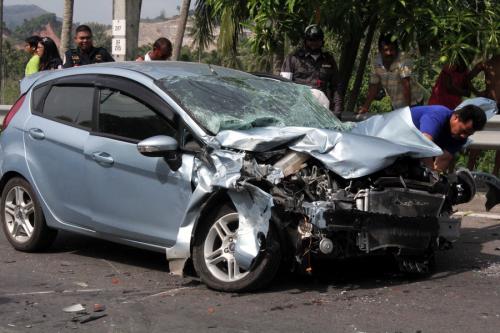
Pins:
x: 233, y: 172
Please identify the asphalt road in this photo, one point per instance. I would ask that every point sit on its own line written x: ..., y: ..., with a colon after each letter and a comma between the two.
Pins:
x: 139, y: 295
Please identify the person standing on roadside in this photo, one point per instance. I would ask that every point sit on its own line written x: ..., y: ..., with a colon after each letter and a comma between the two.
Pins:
x: 311, y: 66
x: 392, y: 71
x: 491, y: 69
x: 162, y: 50
x: 85, y: 52
x: 33, y: 64
x: 49, y: 55
x: 451, y: 85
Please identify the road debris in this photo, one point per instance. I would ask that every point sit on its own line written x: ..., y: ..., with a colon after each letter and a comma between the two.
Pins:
x: 82, y: 284
x: 92, y: 318
x: 74, y: 308
x: 99, y: 307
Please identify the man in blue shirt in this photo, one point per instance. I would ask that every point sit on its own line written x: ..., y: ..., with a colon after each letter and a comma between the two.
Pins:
x: 448, y: 129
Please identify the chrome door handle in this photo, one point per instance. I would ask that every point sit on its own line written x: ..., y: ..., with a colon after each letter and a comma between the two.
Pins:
x: 37, y: 133
x: 103, y: 158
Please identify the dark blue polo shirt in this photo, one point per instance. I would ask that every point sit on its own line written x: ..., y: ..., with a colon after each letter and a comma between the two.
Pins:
x: 435, y: 121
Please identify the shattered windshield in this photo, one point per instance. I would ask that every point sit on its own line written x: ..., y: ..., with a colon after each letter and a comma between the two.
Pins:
x: 227, y: 102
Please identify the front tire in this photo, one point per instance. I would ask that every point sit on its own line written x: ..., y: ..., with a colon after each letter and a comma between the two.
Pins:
x: 215, y: 263
x: 22, y: 218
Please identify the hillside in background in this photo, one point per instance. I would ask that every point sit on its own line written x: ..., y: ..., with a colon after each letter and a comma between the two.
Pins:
x: 15, y: 15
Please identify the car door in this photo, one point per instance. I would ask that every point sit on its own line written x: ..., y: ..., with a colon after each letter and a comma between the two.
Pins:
x: 54, y: 138
x: 134, y: 197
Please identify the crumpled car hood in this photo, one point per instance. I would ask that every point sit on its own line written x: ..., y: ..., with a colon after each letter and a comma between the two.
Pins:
x: 368, y: 147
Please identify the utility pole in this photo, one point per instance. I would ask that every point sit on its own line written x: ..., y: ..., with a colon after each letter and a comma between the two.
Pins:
x: 125, y: 30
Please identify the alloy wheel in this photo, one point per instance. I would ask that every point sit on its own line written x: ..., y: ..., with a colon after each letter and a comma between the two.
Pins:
x: 19, y: 214
x: 219, y: 248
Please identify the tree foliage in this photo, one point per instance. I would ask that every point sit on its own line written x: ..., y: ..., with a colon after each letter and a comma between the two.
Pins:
x: 30, y: 27
x: 448, y: 29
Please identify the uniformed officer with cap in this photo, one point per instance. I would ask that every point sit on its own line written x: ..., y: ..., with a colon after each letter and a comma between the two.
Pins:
x: 85, y: 53
x: 311, y: 66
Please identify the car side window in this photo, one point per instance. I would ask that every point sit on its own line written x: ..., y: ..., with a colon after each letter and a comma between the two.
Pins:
x: 72, y: 104
x: 38, y: 97
x: 124, y: 116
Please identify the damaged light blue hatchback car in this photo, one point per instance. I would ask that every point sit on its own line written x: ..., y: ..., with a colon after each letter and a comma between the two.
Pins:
x: 231, y: 173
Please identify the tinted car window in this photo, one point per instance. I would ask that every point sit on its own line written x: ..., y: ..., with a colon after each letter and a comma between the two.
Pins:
x: 70, y: 104
x: 39, y: 94
x: 127, y: 117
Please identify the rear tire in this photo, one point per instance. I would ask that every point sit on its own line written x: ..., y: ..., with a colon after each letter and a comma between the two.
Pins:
x: 215, y: 263
x: 22, y: 218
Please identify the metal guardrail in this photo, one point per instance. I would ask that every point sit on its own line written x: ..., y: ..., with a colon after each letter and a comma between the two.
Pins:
x: 3, y: 111
x: 489, y: 138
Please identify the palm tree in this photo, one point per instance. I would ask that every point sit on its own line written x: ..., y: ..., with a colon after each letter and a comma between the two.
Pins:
x: 181, y: 27
x: 67, y: 25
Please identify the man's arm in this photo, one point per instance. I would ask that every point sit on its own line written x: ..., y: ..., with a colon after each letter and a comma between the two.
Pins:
x: 407, y: 90
x: 336, y: 91
x: 287, y: 69
x: 372, y: 93
x: 107, y: 56
x: 68, y: 60
x: 440, y: 163
x: 472, y: 74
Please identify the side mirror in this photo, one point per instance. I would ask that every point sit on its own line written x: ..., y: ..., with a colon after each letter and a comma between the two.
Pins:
x: 162, y: 146
x: 158, y: 146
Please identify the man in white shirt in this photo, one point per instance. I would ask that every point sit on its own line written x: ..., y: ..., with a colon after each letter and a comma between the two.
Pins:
x: 162, y: 50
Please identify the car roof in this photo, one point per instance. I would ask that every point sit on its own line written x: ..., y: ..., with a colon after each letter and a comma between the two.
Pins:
x: 154, y: 70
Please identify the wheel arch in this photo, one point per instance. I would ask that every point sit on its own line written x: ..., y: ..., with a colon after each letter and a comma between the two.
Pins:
x: 217, y: 199
x: 8, y: 176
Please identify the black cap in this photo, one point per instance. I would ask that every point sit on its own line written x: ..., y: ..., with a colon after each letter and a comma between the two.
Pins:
x: 313, y: 32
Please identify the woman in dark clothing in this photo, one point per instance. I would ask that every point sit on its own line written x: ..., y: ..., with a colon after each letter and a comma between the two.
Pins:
x: 49, y: 55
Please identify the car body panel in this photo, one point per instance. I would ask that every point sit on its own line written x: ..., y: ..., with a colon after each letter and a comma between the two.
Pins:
x: 68, y: 196
x: 135, y: 197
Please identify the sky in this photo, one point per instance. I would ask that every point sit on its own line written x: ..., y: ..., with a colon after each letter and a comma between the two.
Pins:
x: 101, y: 10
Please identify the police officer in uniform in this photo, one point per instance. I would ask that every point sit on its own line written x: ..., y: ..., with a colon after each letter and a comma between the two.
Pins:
x: 85, y: 53
x: 311, y: 66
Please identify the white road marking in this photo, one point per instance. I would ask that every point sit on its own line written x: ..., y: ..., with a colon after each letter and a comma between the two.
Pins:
x: 170, y: 292
x: 53, y: 292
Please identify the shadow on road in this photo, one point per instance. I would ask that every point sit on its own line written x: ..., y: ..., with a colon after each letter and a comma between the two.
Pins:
x: 101, y: 249
x: 470, y: 253
x: 467, y: 254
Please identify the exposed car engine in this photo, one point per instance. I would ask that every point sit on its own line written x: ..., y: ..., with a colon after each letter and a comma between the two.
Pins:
x: 403, y: 209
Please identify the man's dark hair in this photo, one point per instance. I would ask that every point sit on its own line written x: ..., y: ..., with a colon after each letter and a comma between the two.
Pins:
x: 162, y: 42
x: 83, y: 27
x: 474, y: 113
x: 387, y: 39
x: 33, y: 41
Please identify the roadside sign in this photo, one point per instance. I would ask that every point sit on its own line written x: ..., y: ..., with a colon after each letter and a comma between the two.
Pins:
x: 119, y: 28
x: 118, y: 46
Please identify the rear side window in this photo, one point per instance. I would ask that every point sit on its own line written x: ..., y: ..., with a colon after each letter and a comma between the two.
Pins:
x: 38, y: 97
x: 70, y: 104
x: 127, y: 117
